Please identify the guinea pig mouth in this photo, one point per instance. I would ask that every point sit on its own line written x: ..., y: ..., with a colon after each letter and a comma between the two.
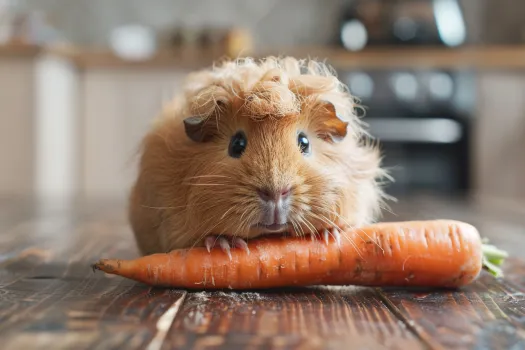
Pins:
x: 273, y: 228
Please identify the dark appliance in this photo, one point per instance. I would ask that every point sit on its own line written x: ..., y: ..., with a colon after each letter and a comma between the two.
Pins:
x: 421, y: 117
x: 401, y: 22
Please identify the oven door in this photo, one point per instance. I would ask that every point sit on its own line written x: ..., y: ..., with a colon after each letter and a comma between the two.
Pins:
x: 423, y: 154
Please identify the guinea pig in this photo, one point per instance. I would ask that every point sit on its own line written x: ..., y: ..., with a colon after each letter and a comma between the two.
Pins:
x: 250, y: 148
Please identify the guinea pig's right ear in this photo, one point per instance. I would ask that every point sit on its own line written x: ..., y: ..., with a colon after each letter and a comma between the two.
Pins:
x: 333, y: 128
x: 196, y: 129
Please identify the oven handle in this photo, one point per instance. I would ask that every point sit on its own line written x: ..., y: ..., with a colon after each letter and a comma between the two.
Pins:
x: 415, y: 130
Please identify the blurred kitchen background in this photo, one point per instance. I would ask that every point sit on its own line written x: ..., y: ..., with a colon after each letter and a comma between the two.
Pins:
x: 442, y: 82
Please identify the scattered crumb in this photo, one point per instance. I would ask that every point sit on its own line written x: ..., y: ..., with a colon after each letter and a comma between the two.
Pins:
x: 338, y: 289
x: 241, y: 296
x: 201, y: 296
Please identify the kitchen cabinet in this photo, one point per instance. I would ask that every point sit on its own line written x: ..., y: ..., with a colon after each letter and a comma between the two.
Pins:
x: 499, y: 134
x: 68, y: 128
x: 118, y: 106
x: 17, y: 132
x: 37, y: 123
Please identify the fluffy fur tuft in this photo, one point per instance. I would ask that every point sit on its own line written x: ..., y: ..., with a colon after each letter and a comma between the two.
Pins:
x: 186, y: 190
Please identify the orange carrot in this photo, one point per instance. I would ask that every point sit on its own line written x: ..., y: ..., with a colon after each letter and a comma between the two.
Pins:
x: 439, y: 253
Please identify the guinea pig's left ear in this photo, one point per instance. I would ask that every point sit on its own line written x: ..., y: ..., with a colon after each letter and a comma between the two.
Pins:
x: 196, y: 129
x: 332, y: 127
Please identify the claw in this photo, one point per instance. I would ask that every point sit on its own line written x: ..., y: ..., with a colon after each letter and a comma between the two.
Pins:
x: 326, y: 235
x: 334, y: 233
x: 209, y: 242
x: 225, y: 246
x: 337, y: 236
x: 241, y: 244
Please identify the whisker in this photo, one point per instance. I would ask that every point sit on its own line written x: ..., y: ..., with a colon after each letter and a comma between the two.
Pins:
x: 206, y: 184
x: 315, y: 233
x: 301, y: 218
x: 294, y: 226
x: 387, y: 210
x: 326, y: 220
x: 302, y: 234
x: 163, y: 208
x: 323, y: 218
x: 244, y: 212
x: 353, y: 227
x: 207, y: 232
x: 205, y: 176
x: 243, y: 225
x: 226, y: 213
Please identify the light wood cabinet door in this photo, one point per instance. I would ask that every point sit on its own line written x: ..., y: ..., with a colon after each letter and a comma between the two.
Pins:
x: 17, y: 134
x: 118, y: 108
x: 499, y: 135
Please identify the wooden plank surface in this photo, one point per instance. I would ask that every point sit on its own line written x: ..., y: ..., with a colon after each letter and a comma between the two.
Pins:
x: 50, y: 297
x: 309, y: 318
x: 489, y: 314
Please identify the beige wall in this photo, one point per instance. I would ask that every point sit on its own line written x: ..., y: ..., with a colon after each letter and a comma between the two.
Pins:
x: 17, y: 132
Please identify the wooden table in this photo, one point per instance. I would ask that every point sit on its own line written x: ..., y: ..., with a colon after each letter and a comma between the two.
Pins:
x: 51, y: 299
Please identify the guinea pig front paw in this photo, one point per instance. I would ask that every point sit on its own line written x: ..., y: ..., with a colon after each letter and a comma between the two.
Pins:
x: 222, y: 242
x: 334, y: 232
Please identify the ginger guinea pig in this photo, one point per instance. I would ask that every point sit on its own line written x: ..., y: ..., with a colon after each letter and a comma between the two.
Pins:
x: 253, y: 148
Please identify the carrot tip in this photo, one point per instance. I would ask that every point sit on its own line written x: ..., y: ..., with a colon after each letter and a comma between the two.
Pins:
x: 104, y: 266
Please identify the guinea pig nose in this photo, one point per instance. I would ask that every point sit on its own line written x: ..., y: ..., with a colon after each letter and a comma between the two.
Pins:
x: 269, y: 195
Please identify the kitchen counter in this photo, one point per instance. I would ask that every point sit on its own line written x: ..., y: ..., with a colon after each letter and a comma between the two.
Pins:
x: 20, y: 50
x: 485, y: 58
x: 52, y: 299
x: 490, y: 57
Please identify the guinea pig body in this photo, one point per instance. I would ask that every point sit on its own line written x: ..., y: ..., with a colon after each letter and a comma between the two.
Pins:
x: 253, y: 148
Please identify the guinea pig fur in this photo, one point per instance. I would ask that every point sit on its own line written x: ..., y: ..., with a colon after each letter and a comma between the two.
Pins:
x: 253, y: 147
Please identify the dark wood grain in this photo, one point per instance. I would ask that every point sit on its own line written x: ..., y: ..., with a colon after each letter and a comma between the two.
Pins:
x: 489, y: 314
x: 486, y: 315
x: 514, y: 272
x: 51, y: 299
x: 310, y: 318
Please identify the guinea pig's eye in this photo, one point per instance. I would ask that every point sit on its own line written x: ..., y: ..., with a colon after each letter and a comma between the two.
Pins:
x: 303, y: 143
x: 237, y: 145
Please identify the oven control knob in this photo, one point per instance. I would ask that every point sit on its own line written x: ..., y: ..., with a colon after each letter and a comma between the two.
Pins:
x: 361, y: 85
x: 405, y: 86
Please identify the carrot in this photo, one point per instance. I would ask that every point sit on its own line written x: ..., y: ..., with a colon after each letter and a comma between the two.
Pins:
x: 439, y: 253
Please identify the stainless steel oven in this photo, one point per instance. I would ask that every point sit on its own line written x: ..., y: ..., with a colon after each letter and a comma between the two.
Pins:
x: 421, y: 117
x: 422, y: 120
